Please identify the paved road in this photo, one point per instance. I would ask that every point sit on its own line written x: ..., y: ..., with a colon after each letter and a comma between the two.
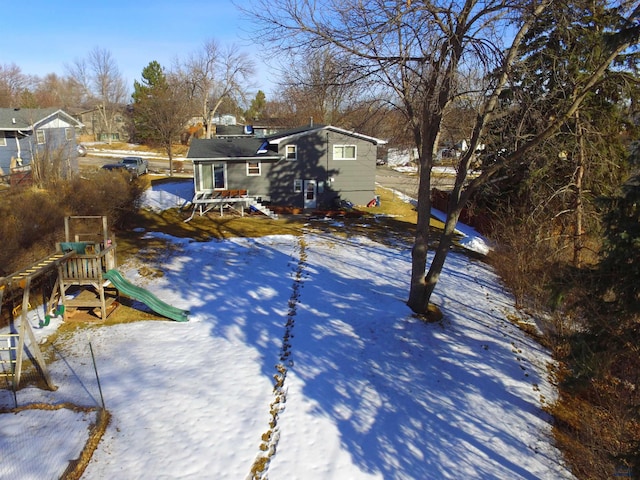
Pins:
x: 407, y: 183
x: 155, y: 165
x: 402, y: 182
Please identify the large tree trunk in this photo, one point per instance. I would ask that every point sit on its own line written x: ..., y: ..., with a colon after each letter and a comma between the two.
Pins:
x: 170, y: 155
x: 427, y: 135
x: 423, y: 289
x: 418, y: 296
x: 444, y: 243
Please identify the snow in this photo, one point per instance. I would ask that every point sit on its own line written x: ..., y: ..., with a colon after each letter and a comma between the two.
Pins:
x: 303, y: 346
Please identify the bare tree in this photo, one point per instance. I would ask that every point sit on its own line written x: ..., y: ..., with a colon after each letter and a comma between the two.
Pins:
x: 320, y: 86
x: 213, y: 74
x: 161, y: 108
x: 420, y: 50
x: 103, y: 85
x: 55, y: 91
x: 13, y: 83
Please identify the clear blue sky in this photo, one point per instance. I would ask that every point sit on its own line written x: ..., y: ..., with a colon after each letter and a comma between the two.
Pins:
x: 41, y: 36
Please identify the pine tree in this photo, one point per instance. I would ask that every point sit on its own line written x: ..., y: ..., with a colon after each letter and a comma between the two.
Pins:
x: 257, y: 106
x: 152, y: 85
x: 621, y: 252
x: 553, y: 189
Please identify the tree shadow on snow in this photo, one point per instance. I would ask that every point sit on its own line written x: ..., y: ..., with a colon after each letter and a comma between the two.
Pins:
x: 410, y: 400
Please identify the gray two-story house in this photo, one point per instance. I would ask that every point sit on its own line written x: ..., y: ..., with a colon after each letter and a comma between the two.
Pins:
x: 310, y: 167
x: 30, y: 133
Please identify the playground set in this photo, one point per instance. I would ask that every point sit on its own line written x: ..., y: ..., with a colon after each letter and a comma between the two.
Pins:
x: 87, y: 281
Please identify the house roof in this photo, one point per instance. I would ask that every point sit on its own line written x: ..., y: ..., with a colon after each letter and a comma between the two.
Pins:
x: 13, y: 119
x: 242, y: 148
x: 239, y: 148
x: 231, y: 131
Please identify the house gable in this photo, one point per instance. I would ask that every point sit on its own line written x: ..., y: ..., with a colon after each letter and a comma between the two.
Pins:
x: 29, y: 119
x: 292, y: 135
x: 28, y: 132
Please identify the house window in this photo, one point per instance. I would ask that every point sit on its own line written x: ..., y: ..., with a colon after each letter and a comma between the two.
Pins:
x: 3, y: 140
x: 68, y: 133
x: 344, y: 152
x: 219, y: 180
x: 212, y: 177
x: 291, y: 152
x: 297, y: 186
x: 253, y: 168
x: 40, y: 138
x: 206, y: 177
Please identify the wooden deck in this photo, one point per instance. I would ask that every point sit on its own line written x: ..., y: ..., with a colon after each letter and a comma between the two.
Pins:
x: 204, y: 202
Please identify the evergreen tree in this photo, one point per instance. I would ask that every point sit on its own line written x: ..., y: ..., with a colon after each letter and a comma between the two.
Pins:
x: 152, y: 85
x: 162, y: 108
x: 258, y: 105
x: 553, y: 189
x: 621, y: 253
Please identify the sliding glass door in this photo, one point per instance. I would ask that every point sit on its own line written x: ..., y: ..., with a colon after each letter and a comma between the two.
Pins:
x: 212, y: 176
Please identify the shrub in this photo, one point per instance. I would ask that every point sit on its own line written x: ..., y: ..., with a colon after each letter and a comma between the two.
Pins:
x: 33, y: 219
x: 110, y: 193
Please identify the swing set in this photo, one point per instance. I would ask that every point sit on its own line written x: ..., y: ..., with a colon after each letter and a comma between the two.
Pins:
x: 80, y: 262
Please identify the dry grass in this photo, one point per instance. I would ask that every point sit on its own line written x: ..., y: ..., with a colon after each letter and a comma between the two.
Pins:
x: 178, y: 149
x: 395, y: 219
x: 392, y: 222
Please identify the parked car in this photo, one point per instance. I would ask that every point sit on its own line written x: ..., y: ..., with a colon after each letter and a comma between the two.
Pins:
x: 82, y: 150
x: 136, y: 166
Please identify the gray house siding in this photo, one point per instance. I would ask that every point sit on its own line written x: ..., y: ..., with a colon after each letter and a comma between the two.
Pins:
x: 256, y: 185
x: 355, y: 179
x: 235, y: 175
x: 349, y: 180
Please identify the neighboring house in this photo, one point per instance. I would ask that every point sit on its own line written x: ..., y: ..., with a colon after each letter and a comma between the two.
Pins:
x: 225, y: 119
x: 94, y: 127
x: 309, y: 167
x: 26, y: 133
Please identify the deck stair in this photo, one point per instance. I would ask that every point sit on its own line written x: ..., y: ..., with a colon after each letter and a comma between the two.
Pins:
x: 255, y: 205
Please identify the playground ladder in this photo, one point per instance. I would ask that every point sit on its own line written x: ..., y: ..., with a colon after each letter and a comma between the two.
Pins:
x: 8, y: 348
x: 22, y: 279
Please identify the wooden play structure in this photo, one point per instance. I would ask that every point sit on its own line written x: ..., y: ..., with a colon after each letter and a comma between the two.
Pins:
x: 94, y: 254
x: 81, y: 261
x: 13, y: 345
x: 87, y: 281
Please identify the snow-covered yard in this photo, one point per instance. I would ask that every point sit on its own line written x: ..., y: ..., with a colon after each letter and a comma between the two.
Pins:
x: 300, y: 351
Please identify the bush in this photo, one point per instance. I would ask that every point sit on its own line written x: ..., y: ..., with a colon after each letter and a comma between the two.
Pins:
x: 603, y: 362
x: 592, y: 326
x: 110, y: 193
x: 33, y: 219
x: 523, y: 262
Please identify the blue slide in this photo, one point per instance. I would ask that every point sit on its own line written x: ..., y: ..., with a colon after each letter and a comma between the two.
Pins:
x: 146, y: 297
